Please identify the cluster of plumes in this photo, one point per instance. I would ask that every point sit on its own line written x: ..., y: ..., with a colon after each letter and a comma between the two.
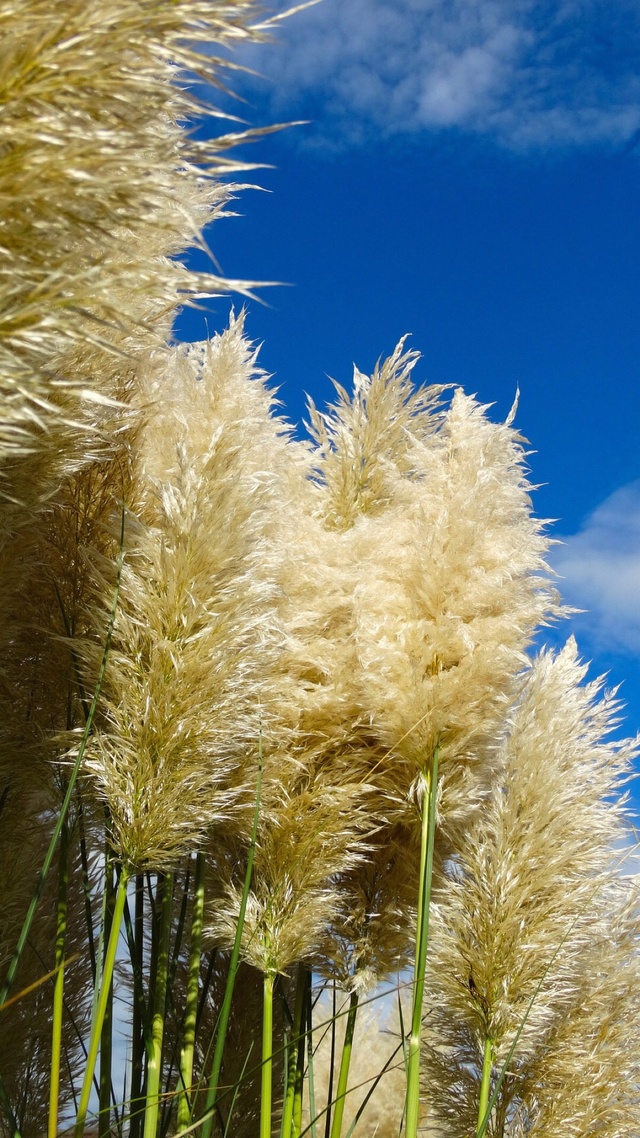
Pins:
x: 320, y: 617
x: 535, y: 929
x: 101, y: 186
x: 419, y: 585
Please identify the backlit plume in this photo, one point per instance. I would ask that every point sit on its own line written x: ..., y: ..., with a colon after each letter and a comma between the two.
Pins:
x: 535, y: 929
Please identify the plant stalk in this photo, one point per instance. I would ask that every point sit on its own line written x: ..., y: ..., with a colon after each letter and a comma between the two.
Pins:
x: 185, y: 1099
x: 295, y: 1058
x: 427, y: 845
x: 58, y: 991
x: 96, y: 1027
x: 312, y: 1090
x: 225, y: 1011
x: 345, y: 1061
x: 487, y: 1065
x: 106, y: 1035
x: 154, y: 1067
x: 139, y: 1011
x: 267, y: 1056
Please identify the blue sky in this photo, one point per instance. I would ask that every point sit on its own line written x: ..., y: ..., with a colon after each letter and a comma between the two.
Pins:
x: 470, y: 174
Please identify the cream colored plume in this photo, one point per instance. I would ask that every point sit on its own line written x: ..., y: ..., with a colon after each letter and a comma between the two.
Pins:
x: 189, y: 682
x: 365, y: 440
x: 101, y: 186
x: 413, y: 624
x: 532, y: 912
x: 307, y: 837
x: 452, y: 586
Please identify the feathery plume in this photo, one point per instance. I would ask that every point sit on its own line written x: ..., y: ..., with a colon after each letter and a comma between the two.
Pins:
x: 531, y: 913
x: 102, y: 187
x: 187, y: 689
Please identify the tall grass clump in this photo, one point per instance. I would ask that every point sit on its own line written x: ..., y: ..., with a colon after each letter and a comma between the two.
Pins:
x: 273, y: 744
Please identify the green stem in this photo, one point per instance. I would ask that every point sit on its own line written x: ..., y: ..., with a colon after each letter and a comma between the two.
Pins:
x: 96, y: 1027
x: 312, y: 1090
x: 487, y: 1065
x: 86, y: 884
x: 139, y: 1011
x: 154, y: 1068
x: 267, y: 1056
x: 295, y: 1057
x: 58, y: 991
x: 106, y: 1035
x: 345, y: 1061
x: 234, y: 962
x: 302, y: 1046
x: 422, y: 939
x: 332, y: 1062
x: 185, y: 1101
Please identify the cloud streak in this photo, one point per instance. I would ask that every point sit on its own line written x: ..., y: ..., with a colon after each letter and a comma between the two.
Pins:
x: 601, y: 570
x: 527, y: 73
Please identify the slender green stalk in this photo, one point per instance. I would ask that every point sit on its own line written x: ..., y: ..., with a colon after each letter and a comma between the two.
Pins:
x: 86, y: 885
x: 422, y: 940
x: 312, y: 1087
x: 487, y: 1064
x: 332, y: 1063
x: 58, y: 990
x: 267, y: 1056
x: 106, y: 1035
x: 136, y: 948
x: 345, y: 1061
x: 302, y: 1046
x: 46, y: 865
x: 96, y: 1026
x: 154, y: 1067
x: 185, y: 1101
x: 295, y: 1057
x: 225, y: 1011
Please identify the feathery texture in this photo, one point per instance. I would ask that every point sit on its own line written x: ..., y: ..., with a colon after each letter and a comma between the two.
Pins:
x: 100, y: 186
x: 533, y: 899
x: 188, y: 685
x: 411, y: 624
x: 308, y: 836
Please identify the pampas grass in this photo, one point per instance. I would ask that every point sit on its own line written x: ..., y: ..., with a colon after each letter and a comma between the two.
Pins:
x: 294, y: 679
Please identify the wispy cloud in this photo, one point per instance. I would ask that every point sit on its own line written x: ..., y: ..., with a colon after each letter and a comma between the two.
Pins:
x: 601, y: 570
x: 529, y: 73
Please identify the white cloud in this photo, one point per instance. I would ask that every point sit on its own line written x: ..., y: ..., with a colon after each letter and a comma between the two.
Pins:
x: 529, y: 73
x: 601, y: 570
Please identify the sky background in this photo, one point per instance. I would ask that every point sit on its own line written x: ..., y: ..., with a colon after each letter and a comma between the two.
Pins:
x: 469, y: 174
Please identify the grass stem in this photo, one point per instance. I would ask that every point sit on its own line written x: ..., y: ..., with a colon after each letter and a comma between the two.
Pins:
x: 234, y: 963
x: 427, y: 844
x: 345, y: 1062
x: 185, y: 1100
x: 154, y: 1067
x: 58, y: 990
x: 106, y: 1035
x: 139, y: 1010
x: 487, y: 1065
x: 295, y: 1058
x: 105, y: 985
x: 267, y: 1056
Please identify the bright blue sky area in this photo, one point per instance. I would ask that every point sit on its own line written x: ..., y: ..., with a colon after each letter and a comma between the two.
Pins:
x: 471, y: 175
